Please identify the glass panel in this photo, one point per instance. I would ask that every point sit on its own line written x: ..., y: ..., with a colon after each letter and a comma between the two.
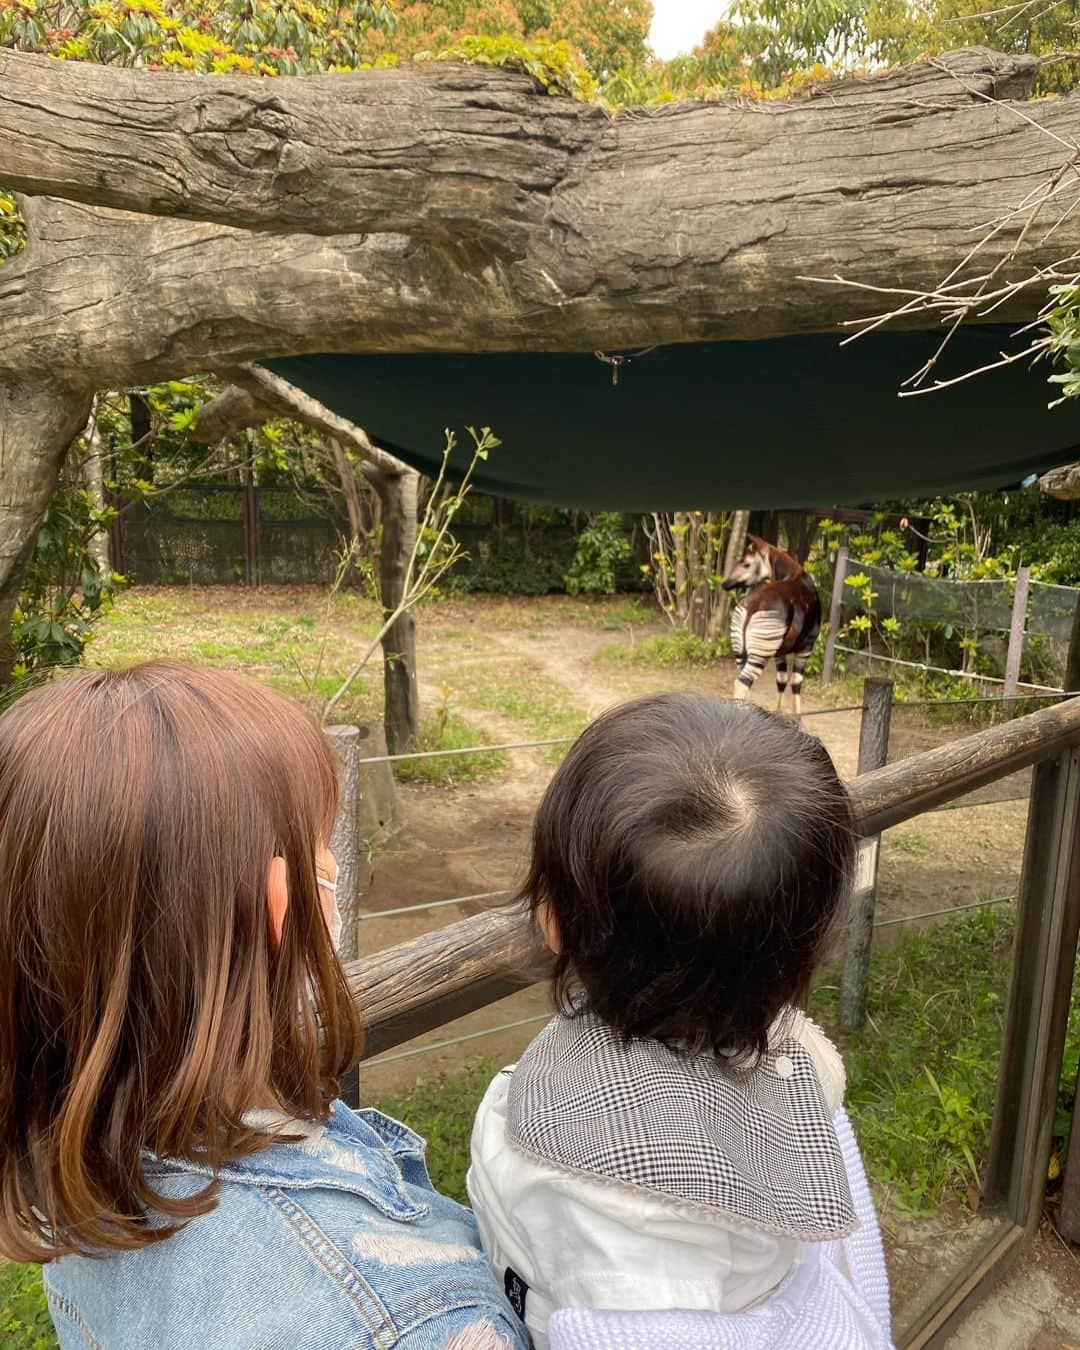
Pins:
x: 922, y: 1074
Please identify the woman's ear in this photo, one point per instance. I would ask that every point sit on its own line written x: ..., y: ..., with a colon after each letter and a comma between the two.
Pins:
x: 277, y: 897
x: 549, y: 926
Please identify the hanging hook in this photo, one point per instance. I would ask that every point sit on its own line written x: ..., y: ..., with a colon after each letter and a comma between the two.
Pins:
x: 621, y: 359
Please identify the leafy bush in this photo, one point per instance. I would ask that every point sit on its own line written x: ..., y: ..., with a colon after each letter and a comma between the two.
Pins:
x: 63, y: 592
x: 25, y: 1323
x: 601, y: 546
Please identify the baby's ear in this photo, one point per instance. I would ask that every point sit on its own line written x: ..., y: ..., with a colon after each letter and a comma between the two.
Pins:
x: 549, y: 926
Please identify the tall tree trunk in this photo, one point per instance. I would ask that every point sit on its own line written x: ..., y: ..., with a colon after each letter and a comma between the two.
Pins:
x: 350, y: 489
x: 740, y: 521
x: 797, y: 534
x: 680, y: 529
x: 399, y: 495
x: 141, y: 425
x: 39, y: 418
x: 93, y: 472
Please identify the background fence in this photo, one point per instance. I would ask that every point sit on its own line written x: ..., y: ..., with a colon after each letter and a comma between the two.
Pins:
x: 250, y: 534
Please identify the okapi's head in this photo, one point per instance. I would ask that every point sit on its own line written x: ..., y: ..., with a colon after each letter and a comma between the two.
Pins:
x: 755, y: 565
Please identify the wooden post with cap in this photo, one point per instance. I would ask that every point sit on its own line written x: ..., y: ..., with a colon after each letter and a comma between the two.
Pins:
x: 873, y: 753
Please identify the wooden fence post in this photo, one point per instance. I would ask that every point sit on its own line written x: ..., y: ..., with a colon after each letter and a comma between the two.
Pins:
x: 251, y: 529
x: 345, y: 841
x: 834, y: 613
x: 1017, y: 631
x: 873, y: 753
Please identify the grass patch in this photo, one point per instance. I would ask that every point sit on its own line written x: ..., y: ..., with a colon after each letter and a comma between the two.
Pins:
x: 444, y: 730
x: 537, y: 704
x: 922, y: 1075
x: 915, y: 845
x: 676, y: 648
x: 277, y: 638
x: 626, y: 613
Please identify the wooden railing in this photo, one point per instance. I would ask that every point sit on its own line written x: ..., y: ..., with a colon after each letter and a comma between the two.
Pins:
x: 418, y: 985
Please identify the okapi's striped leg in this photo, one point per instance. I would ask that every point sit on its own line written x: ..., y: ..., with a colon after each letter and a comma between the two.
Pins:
x: 798, y: 666
x: 761, y: 638
x: 750, y: 669
x: 781, y: 681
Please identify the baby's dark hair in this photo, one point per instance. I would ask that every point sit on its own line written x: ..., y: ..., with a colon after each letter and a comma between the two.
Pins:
x: 693, y: 853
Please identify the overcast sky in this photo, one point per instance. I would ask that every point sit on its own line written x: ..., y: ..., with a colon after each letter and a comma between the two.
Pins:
x: 679, y: 25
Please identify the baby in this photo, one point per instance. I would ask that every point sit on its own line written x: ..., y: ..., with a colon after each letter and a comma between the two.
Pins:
x: 668, y: 1140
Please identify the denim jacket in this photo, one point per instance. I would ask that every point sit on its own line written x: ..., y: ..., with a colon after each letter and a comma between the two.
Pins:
x: 338, y: 1240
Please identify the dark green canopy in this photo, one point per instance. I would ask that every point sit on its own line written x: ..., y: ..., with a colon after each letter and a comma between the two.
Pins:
x: 790, y: 422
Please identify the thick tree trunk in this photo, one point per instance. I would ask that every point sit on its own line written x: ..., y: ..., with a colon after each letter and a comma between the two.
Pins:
x: 141, y: 427
x: 39, y: 418
x: 736, y: 543
x: 1063, y: 483
x: 399, y: 495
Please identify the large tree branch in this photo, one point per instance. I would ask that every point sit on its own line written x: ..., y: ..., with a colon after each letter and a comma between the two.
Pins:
x: 257, y: 396
x: 521, y: 221
x: 1063, y: 483
x: 436, y: 149
x: 454, y: 150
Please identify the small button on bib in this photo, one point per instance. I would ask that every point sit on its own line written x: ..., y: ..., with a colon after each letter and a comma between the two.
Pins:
x: 784, y: 1067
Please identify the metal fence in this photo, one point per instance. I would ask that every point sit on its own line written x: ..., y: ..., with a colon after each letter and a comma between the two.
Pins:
x: 1010, y: 632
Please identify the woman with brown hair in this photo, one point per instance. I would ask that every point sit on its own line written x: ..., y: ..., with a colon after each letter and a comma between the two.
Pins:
x: 174, y: 1024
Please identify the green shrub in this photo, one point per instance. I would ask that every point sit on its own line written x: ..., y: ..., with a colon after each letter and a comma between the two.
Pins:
x: 602, y: 545
x: 25, y: 1323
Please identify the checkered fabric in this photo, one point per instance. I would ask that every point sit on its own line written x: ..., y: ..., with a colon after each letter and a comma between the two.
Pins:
x: 756, y: 1144
x: 837, y: 1299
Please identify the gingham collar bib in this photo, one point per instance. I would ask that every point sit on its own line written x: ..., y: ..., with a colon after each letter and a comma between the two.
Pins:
x: 754, y: 1144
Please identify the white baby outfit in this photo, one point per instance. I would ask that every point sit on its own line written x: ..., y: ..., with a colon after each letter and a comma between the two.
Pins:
x: 627, y: 1178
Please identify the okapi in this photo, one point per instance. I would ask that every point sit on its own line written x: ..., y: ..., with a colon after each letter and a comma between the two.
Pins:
x: 779, y: 620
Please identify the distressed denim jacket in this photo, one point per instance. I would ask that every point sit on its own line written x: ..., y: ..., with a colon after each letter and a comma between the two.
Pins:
x: 338, y: 1240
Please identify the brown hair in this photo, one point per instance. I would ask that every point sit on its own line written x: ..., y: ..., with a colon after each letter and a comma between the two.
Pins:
x: 694, y: 853
x: 143, y: 1003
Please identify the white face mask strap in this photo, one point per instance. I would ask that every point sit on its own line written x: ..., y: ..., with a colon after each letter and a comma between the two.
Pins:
x: 334, y: 923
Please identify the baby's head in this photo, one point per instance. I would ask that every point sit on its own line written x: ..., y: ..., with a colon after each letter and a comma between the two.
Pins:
x: 689, y: 858
x: 165, y: 958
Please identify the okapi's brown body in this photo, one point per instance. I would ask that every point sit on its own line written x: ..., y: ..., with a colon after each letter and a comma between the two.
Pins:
x: 778, y: 621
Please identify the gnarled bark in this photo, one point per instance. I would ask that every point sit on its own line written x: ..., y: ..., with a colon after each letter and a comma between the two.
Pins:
x: 1063, y: 483
x: 460, y: 208
x: 39, y: 418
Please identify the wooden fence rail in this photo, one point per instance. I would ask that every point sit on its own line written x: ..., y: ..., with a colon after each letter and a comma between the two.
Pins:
x: 416, y: 986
